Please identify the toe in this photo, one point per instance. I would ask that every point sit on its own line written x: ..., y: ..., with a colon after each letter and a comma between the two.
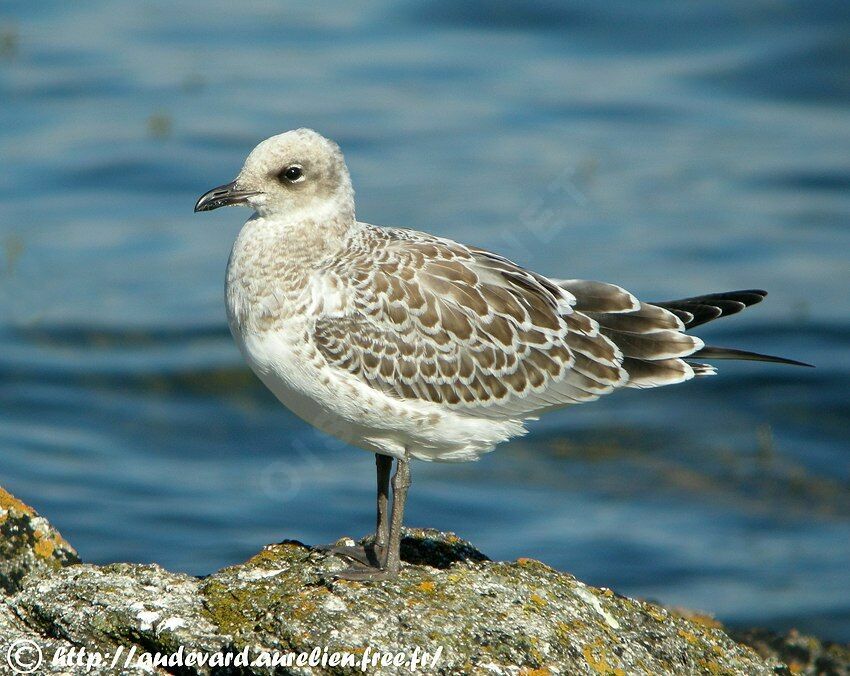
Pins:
x: 368, y: 556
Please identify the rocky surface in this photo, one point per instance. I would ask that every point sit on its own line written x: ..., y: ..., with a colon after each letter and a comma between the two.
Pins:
x: 479, y: 616
x: 28, y: 543
x: 802, y: 654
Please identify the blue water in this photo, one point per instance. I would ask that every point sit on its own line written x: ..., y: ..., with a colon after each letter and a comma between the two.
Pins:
x: 674, y: 147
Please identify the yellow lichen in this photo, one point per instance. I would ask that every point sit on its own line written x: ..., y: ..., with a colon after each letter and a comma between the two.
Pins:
x: 44, y: 547
x: 538, y: 600
x: 564, y: 630
x: 710, y: 666
x: 689, y: 636
x: 524, y: 562
x: 263, y: 556
x: 527, y: 671
x: 10, y: 502
x: 427, y: 586
x: 274, y: 553
x: 594, y: 655
x: 705, y: 620
x: 655, y: 613
x: 702, y: 619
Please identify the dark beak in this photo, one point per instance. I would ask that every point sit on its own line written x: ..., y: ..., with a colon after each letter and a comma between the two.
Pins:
x: 223, y: 196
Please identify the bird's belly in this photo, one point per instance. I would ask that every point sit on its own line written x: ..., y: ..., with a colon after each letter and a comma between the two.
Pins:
x: 287, y: 369
x: 297, y: 376
x: 336, y: 403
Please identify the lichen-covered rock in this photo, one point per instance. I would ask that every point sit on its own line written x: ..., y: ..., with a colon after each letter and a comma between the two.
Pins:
x: 16, y: 635
x: 480, y: 616
x: 486, y: 617
x: 28, y: 544
x: 802, y: 654
x: 103, y: 607
x: 477, y: 615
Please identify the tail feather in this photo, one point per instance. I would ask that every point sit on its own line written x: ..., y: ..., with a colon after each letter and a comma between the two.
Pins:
x: 651, y: 336
x: 712, y: 352
x: 644, y: 373
x: 701, y: 369
x: 701, y: 309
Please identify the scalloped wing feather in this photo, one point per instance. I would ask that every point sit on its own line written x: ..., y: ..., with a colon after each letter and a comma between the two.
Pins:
x: 651, y: 338
x: 431, y: 320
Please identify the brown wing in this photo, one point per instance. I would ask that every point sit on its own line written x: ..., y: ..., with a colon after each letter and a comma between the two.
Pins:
x: 651, y: 337
x: 431, y: 320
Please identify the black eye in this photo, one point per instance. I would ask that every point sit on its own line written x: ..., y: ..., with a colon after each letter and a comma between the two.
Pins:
x: 292, y: 174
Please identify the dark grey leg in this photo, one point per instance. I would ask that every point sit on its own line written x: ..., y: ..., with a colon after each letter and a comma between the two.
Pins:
x: 401, y: 482
x: 373, y: 555
x: 391, y: 560
x: 384, y: 465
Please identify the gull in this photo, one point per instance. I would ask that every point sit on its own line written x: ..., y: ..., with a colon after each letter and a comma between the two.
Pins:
x: 410, y: 345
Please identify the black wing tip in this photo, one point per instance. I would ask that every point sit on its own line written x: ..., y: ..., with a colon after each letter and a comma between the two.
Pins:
x: 746, y: 296
x: 700, y: 310
x: 753, y: 295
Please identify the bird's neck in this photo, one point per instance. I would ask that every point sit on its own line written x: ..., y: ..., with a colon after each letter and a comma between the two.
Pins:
x: 272, y: 262
x: 300, y: 237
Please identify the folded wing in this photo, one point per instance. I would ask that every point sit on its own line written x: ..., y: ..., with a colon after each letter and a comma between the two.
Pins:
x: 431, y: 320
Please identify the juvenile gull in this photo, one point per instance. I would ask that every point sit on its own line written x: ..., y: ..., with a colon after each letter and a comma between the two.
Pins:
x: 415, y: 346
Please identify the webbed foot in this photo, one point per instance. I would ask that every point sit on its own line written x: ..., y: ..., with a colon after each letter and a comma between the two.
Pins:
x: 367, y: 555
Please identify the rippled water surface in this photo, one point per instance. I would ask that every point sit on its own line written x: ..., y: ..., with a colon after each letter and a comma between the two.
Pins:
x: 675, y: 148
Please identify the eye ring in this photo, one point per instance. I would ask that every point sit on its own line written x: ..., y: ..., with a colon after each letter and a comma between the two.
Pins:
x: 294, y: 173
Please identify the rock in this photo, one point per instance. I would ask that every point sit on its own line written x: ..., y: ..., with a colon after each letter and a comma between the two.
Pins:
x: 28, y: 544
x: 486, y: 616
x: 477, y: 615
x: 802, y: 654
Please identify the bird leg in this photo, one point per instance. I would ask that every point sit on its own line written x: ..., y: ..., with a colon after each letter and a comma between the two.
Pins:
x: 391, y: 560
x: 384, y: 465
x: 373, y: 555
x: 401, y: 482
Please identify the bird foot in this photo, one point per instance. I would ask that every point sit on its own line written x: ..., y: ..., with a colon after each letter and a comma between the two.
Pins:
x: 368, y: 555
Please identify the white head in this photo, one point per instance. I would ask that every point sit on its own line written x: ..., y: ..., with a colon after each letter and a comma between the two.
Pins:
x: 294, y: 173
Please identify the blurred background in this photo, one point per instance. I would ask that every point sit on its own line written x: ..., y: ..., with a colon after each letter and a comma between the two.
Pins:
x: 673, y: 147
